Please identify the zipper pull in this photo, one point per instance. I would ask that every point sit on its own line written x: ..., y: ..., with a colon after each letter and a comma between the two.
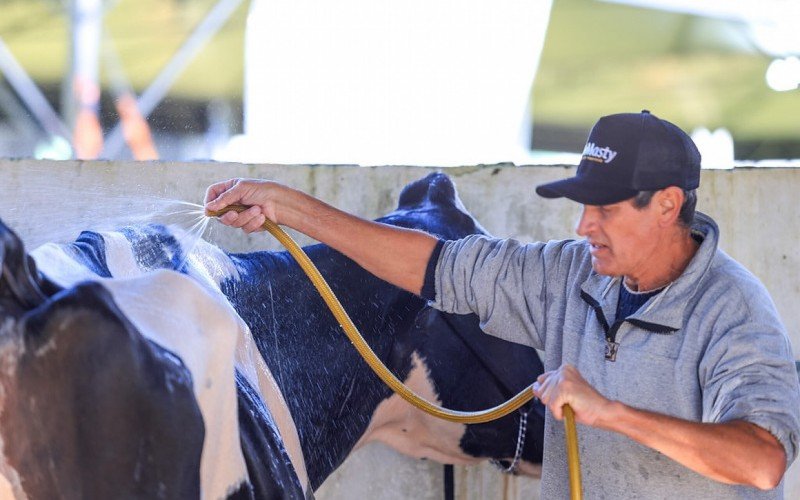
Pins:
x: 611, y: 349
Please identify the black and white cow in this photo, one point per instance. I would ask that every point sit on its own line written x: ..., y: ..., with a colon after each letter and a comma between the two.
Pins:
x: 230, y: 378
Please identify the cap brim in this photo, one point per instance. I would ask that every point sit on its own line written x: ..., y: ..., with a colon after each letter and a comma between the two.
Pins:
x: 585, y: 192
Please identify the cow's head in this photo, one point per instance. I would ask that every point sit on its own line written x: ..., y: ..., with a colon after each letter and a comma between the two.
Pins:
x: 432, y: 205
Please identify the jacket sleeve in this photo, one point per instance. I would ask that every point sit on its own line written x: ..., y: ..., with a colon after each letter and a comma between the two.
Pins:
x: 504, y: 282
x: 748, y: 371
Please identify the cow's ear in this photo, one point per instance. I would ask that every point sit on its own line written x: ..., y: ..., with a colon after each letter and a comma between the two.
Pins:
x: 436, y: 188
x: 441, y: 191
x: 413, y: 194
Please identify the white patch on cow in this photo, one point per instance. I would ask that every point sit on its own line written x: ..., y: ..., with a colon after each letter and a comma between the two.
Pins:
x: 59, y: 266
x: 200, y: 329
x: 209, y: 266
x: 119, y: 256
x: 413, y: 432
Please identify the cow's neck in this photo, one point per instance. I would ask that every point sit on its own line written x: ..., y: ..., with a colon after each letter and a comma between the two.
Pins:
x: 329, y: 389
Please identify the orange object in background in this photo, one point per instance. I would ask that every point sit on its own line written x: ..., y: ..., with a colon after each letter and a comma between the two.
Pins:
x: 87, y: 138
x: 135, y: 128
x: 87, y: 135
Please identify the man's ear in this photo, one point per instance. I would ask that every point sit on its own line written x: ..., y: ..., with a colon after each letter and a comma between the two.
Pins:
x: 669, y: 202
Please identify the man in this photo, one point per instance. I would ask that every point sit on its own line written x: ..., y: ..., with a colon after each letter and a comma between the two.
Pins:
x: 671, y: 354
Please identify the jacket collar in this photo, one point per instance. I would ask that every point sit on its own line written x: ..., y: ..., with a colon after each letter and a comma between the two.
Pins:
x: 666, y: 310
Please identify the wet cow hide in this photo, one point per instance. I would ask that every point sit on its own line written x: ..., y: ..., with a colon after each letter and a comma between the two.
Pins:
x: 122, y: 378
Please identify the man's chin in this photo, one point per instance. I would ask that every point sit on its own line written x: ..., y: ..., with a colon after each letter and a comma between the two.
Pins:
x: 602, y: 268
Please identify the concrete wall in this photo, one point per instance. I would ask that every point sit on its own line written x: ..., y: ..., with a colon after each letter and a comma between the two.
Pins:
x: 48, y: 201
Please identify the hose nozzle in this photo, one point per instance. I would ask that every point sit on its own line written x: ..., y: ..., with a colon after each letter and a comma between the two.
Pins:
x: 230, y: 208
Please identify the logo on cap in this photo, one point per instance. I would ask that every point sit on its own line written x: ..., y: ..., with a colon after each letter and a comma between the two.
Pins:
x: 598, y: 154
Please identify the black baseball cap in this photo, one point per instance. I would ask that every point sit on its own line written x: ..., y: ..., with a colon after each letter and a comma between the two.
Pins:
x: 627, y: 153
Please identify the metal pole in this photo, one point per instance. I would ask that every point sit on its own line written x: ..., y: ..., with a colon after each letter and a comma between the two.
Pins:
x: 30, y: 94
x: 18, y: 116
x: 147, y: 102
x: 449, y: 482
x: 82, y: 102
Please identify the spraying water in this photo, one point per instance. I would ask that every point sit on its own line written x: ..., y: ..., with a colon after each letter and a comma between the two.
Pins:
x: 100, y: 209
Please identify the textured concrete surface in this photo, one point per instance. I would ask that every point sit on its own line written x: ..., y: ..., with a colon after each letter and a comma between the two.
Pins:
x: 755, y: 208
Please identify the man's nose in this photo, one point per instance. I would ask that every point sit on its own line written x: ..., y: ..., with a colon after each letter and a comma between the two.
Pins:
x: 586, y: 222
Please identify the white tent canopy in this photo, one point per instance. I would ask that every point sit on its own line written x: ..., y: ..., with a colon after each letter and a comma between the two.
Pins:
x: 439, y: 82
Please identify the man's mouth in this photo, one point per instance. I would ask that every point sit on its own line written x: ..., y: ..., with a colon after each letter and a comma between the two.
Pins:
x: 597, y: 247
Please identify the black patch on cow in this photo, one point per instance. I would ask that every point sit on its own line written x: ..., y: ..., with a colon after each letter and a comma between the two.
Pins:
x: 90, y: 250
x: 154, y: 247
x: 330, y: 391
x: 91, y: 409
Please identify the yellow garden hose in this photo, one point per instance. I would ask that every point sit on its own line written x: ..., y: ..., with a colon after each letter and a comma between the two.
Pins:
x: 573, y: 457
x: 463, y: 417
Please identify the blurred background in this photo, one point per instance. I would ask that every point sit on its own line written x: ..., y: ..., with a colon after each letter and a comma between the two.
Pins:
x: 377, y: 83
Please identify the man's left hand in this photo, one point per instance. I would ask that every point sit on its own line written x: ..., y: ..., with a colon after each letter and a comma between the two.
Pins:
x: 565, y: 385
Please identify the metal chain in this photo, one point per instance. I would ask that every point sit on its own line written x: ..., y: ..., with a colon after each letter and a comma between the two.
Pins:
x: 523, y: 428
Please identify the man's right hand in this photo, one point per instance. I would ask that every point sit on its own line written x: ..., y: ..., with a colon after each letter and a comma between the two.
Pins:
x: 258, y: 194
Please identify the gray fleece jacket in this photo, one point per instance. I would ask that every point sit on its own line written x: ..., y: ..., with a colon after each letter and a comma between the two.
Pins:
x: 709, y: 348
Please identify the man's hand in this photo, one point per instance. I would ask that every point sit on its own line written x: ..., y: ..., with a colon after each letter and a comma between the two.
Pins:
x: 260, y: 195
x: 566, y: 386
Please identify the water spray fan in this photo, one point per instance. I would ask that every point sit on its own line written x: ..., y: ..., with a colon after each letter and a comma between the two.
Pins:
x: 463, y: 417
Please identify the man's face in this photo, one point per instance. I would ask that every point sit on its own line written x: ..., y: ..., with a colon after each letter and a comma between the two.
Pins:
x: 622, y: 237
